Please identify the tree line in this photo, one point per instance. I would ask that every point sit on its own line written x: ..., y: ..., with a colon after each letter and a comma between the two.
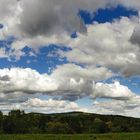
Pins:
x: 18, y: 122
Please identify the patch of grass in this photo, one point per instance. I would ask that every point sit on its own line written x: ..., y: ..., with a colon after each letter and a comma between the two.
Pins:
x: 111, y: 136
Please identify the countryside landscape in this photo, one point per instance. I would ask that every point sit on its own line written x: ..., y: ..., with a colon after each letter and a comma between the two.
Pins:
x: 72, y: 126
x: 69, y: 69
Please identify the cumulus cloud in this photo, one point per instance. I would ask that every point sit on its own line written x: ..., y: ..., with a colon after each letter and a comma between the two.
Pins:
x: 115, y: 90
x: 52, y: 16
x: 48, y: 16
x: 70, y: 85
x: 77, y: 72
x: 53, y: 20
x: 78, y: 82
x: 118, y: 107
x: 20, y: 88
x: 115, y: 42
x: 112, y: 41
x: 25, y: 80
x: 108, y: 45
x: 43, y: 106
x: 35, y: 102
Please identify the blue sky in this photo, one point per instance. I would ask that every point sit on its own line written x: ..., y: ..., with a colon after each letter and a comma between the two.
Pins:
x: 89, y: 55
x: 107, y: 15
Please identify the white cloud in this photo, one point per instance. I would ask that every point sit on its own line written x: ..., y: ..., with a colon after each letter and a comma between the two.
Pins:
x: 19, y: 88
x: 89, y: 73
x: 111, y: 45
x: 117, y: 100
x: 43, y: 106
x: 108, y: 45
x: 118, y: 107
x: 67, y: 81
x: 115, y: 90
x: 110, y: 40
x: 35, y: 102
x: 53, y: 16
x: 25, y: 80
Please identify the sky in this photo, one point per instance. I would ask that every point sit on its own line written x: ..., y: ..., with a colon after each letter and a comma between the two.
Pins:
x: 62, y: 56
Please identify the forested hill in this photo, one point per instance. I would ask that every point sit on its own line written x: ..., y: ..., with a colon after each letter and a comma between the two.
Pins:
x: 64, y: 123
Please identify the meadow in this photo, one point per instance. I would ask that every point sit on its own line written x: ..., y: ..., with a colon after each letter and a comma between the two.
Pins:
x: 110, y: 136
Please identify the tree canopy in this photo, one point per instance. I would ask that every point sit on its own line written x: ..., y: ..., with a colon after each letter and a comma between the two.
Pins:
x: 18, y: 122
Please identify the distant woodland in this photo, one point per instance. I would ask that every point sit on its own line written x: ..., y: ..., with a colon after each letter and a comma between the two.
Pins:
x: 18, y: 122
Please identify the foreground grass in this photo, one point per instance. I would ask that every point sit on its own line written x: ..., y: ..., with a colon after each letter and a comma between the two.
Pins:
x: 114, y: 136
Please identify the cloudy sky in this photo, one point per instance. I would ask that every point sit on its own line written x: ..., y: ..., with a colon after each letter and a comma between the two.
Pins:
x: 70, y: 55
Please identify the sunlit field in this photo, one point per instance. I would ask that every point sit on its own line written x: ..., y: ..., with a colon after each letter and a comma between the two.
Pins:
x: 114, y: 136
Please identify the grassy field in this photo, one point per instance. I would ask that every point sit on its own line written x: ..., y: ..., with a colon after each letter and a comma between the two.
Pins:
x: 116, y: 136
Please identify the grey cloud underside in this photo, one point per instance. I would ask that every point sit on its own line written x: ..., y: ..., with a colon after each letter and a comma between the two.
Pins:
x: 50, y: 17
x: 5, y: 78
x: 135, y: 38
x: 47, y: 17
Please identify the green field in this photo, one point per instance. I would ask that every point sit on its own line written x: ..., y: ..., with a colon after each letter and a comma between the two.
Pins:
x: 115, y: 136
